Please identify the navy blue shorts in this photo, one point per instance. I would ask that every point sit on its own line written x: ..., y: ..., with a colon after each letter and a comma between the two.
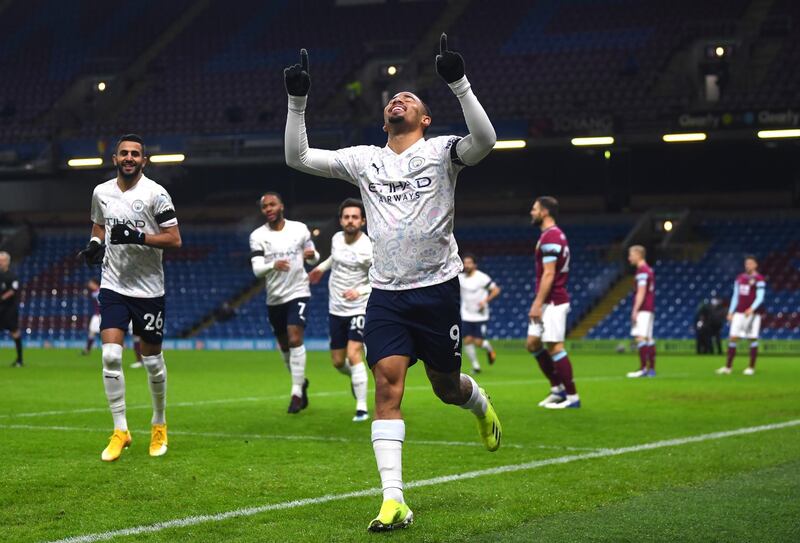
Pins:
x: 291, y: 313
x: 474, y: 329
x: 147, y: 314
x: 344, y: 329
x: 422, y: 323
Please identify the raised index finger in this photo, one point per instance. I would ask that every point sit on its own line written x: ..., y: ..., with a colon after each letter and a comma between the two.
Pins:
x: 304, y: 60
x: 443, y: 43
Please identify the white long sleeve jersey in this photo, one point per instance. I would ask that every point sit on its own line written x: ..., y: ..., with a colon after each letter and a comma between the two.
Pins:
x: 409, y: 197
x: 267, y: 246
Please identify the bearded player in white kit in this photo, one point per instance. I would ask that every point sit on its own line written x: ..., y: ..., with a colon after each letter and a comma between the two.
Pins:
x: 348, y: 292
x: 408, y: 189
x: 137, y: 218
x: 278, y: 250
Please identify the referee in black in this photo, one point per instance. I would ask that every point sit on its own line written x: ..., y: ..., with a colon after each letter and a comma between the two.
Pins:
x: 9, y: 304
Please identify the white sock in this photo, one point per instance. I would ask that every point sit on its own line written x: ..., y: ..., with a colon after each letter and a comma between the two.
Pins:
x: 472, y: 355
x: 572, y: 398
x: 359, y: 379
x: 285, y: 355
x: 486, y: 345
x: 114, y: 383
x: 297, y: 362
x: 477, y: 402
x: 557, y: 389
x: 387, y: 442
x: 157, y: 379
x: 344, y: 369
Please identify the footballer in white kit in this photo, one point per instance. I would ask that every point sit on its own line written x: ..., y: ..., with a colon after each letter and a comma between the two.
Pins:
x: 477, y: 292
x: 278, y: 251
x: 133, y: 221
x: 348, y: 292
x: 408, y: 189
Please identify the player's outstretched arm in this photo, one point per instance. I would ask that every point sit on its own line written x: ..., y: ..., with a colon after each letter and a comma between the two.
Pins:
x: 296, y: 150
x: 481, y: 139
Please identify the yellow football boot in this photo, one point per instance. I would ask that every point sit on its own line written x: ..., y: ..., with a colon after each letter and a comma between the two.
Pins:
x: 120, y: 439
x: 489, y: 426
x: 158, y: 440
x: 394, y: 515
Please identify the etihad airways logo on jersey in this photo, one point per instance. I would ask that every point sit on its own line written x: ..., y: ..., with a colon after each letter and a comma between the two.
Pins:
x: 400, y: 191
x: 127, y: 222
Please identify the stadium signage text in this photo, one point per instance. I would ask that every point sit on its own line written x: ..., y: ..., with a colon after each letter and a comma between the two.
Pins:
x: 783, y: 118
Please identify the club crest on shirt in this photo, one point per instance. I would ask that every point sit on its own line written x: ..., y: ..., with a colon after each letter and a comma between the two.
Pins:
x: 138, y: 206
x: 416, y: 163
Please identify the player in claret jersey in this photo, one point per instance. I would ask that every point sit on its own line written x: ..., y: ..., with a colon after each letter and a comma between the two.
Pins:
x: 547, y: 327
x: 744, y: 314
x: 642, y: 314
x: 408, y: 189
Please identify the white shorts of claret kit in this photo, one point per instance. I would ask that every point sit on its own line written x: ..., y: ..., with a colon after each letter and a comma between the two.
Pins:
x: 94, y: 324
x: 553, y: 327
x: 745, y: 327
x: 644, y: 325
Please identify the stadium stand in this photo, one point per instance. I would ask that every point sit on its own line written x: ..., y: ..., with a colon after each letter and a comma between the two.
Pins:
x: 55, y: 305
x: 681, y: 286
x: 537, y: 61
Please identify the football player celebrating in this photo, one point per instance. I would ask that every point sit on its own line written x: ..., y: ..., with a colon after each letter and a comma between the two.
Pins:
x: 136, y: 217
x: 348, y: 292
x: 408, y: 189
x: 278, y: 250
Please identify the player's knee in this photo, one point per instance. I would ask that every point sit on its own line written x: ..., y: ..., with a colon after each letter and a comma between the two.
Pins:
x: 533, y: 344
x: 354, y: 354
x: 154, y: 363
x: 112, y: 356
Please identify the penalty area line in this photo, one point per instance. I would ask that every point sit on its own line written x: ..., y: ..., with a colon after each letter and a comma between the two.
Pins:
x: 510, y: 468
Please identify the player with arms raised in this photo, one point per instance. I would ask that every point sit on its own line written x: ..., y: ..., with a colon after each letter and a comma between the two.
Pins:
x: 477, y: 292
x: 408, y: 189
x: 744, y: 314
x: 642, y: 312
x: 136, y: 215
x: 547, y: 328
x: 348, y: 292
x: 278, y: 250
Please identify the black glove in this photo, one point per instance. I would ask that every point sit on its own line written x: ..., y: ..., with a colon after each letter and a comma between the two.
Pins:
x: 93, y: 254
x: 296, y: 78
x: 121, y: 235
x: 449, y: 64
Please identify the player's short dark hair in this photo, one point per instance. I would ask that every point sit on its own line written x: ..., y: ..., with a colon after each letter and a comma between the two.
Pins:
x: 353, y: 202
x: 752, y: 257
x: 465, y: 256
x: 130, y: 137
x: 550, y: 204
x: 270, y: 193
x: 428, y: 113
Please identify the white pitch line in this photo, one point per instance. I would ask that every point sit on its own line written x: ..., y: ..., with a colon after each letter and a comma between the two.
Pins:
x: 313, y: 395
x: 296, y: 437
x: 510, y: 468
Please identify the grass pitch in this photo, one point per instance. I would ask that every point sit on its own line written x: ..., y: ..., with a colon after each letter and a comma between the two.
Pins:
x: 559, y: 476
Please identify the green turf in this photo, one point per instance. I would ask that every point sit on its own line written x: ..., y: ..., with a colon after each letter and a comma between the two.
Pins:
x: 232, y: 446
